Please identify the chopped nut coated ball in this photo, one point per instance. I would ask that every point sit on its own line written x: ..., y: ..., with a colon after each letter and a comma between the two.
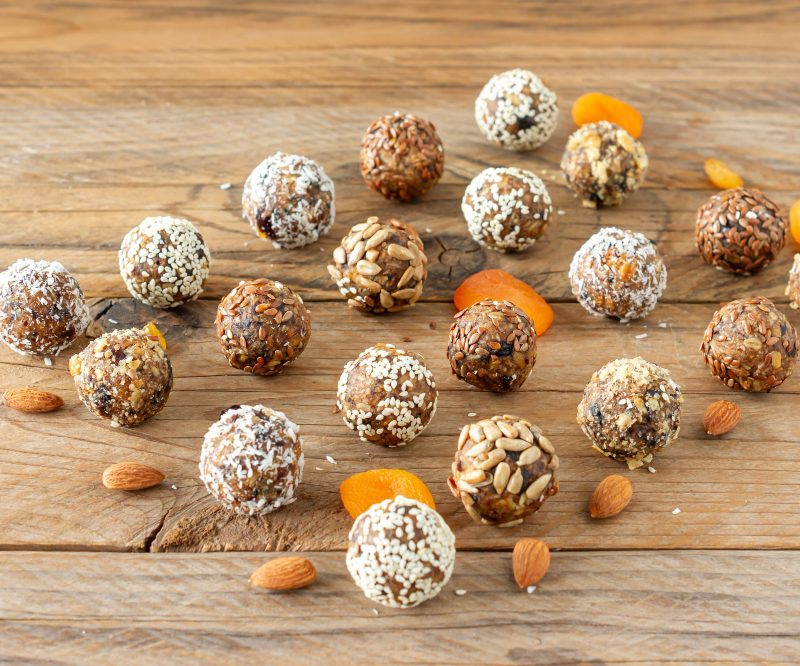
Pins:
x: 793, y: 288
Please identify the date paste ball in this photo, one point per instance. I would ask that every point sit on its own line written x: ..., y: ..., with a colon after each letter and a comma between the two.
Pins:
x: 400, y: 552
x: 750, y: 345
x: 41, y: 307
x: 387, y: 395
x: 262, y: 325
x: 603, y: 164
x: 516, y: 110
x: 504, y: 470
x: 630, y: 409
x: 288, y: 199
x: 123, y: 375
x: 618, y: 274
x: 252, y: 459
x: 164, y: 262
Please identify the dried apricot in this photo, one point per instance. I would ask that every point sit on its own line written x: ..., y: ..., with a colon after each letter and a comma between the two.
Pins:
x: 360, y: 491
x: 794, y: 219
x: 593, y: 107
x: 501, y: 286
x: 721, y: 175
x: 151, y: 330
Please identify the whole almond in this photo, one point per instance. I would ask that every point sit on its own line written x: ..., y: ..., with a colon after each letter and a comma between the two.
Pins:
x: 530, y: 561
x: 131, y: 476
x: 721, y: 417
x: 32, y: 400
x: 284, y: 573
x: 610, y: 497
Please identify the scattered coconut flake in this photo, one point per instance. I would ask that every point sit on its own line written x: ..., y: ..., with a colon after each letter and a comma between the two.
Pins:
x: 460, y: 592
x: 652, y: 470
x: 676, y: 511
x: 331, y: 460
x: 641, y: 336
x: 531, y: 589
x: 225, y: 186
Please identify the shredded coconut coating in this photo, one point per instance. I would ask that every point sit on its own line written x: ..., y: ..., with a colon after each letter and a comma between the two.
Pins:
x: 400, y: 553
x: 618, y: 274
x: 252, y: 459
x: 793, y: 288
x: 164, y: 261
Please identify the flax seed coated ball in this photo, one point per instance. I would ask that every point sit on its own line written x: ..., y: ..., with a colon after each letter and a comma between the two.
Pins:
x: 387, y: 395
x: 289, y: 199
x: 750, y: 345
x: 400, y: 552
x: 252, y: 459
x: 402, y: 156
x: 793, y: 288
x: 262, y: 325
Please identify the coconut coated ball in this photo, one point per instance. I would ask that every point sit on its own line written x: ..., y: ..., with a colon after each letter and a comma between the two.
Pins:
x: 793, y: 288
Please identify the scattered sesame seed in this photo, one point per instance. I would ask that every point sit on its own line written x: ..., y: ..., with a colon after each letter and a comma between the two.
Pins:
x: 641, y: 336
x: 662, y: 324
x: 472, y: 414
x: 531, y: 589
x: 48, y: 361
x: 112, y: 321
x: 428, y: 230
x: 225, y: 186
x: 174, y: 487
x: 375, y: 612
x: 319, y: 469
x: 331, y: 460
x: 460, y: 592
x: 651, y: 469
x: 561, y: 211
x: 676, y: 511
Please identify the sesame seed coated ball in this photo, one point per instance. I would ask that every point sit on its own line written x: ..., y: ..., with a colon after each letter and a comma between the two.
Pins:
x: 252, y: 459
x: 793, y: 288
x: 42, y: 309
x: 516, y: 110
x: 400, y: 552
x: 164, y: 261
x: 289, y: 199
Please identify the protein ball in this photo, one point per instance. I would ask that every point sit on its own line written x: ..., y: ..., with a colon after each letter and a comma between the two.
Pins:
x: 618, y: 274
x: 123, y: 375
x: 630, y: 409
x: 387, y: 395
x: 516, y: 110
x: 380, y: 266
x: 504, y: 470
x: 289, y: 199
x: 507, y: 209
x: 400, y: 552
x: 252, y: 460
x: 793, y: 288
x: 402, y: 156
x: 492, y: 346
x: 740, y: 231
x: 603, y: 164
x: 42, y: 309
x: 750, y: 345
x: 262, y: 326
x: 164, y: 261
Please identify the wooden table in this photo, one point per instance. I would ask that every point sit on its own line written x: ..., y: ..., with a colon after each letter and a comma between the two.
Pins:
x: 110, y: 112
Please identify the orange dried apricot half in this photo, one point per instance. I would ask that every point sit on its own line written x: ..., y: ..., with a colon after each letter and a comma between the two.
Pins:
x: 593, y: 107
x: 151, y: 331
x: 360, y: 491
x: 794, y: 220
x: 721, y: 175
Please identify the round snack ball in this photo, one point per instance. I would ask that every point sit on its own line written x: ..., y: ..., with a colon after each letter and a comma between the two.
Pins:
x: 252, y: 459
x: 387, y: 395
x: 289, y: 200
x: 400, y: 552
x: 380, y: 266
x: 123, y: 375
x: 492, y: 346
x: 504, y: 470
x: 516, y: 110
x: 507, y: 209
x: 41, y: 307
x: 618, y: 274
x: 630, y: 409
x: 793, y: 288
x: 164, y: 261
x: 402, y: 156
x: 262, y: 326
x: 750, y: 345
x: 603, y: 164
x: 740, y: 231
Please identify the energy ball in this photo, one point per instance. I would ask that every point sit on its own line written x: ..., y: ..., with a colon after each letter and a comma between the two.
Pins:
x: 262, y: 326
x: 400, y: 552
x: 507, y: 209
x: 618, y: 274
x: 41, y: 307
x: 164, y: 261
x: 387, y: 395
x: 504, y: 470
x: 252, y: 459
x: 492, y: 346
x: 603, y: 164
x: 516, y: 110
x: 288, y: 199
x: 740, y: 231
x: 380, y: 266
x: 402, y: 156
x: 123, y: 375
x: 793, y: 288
x: 630, y: 409
x: 750, y: 345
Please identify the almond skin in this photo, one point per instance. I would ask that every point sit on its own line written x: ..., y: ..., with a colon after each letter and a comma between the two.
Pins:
x: 131, y: 476
x: 721, y: 417
x: 32, y: 400
x: 284, y: 573
x: 530, y: 561
x: 610, y: 497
